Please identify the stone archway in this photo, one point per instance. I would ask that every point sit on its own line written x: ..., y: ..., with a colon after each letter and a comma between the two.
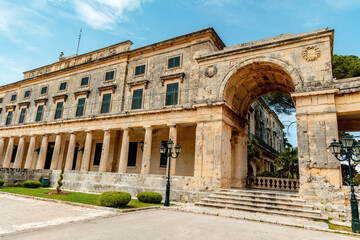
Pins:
x: 246, y: 82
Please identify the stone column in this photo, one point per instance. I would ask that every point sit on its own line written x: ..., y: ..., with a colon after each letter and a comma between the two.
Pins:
x: 9, y: 151
x: 56, y: 153
x: 30, y: 153
x: 85, y: 165
x: 124, y: 151
x: 105, y: 151
x: 173, y: 137
x: 43, y: 151
x: 70, y: 152
x: 239, y: 158
x: 145, y: 165
x: 2, y: 145
x: 19, y: 153
x: 199, y: 146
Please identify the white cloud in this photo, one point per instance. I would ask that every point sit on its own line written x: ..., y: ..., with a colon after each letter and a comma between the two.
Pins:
x: 105, y: 14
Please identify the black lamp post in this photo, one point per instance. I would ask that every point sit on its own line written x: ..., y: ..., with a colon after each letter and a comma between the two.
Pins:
x: 169, y: 156
x: 344, y: 151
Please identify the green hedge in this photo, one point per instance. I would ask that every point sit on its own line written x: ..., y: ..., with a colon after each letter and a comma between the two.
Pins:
x: 149, y: 197
x: 2, y: 182
x: 114, y: 199
x: 31, y: 184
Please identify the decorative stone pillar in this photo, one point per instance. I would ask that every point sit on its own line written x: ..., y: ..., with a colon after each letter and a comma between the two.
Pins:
x: 145, y: 165
x: 173, y: 137
x: 105, y: 151
x: 9, y: 151
x: 199, y: 145
x: 239, y: 158
x: 70, y: 152
x: 124, y: 151
x: 85, y: 165
x: 43, y: 151
x: 2, y: 145
x: 30, y: 153
x: 19, y: 153
x: 56, y: 153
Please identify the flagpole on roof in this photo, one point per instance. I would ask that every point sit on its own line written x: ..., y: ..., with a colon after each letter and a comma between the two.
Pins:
x: 77, y: 49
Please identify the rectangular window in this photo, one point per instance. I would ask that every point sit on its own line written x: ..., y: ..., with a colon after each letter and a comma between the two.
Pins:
x: 63, y: 86
x: 27, y: 94
x: 43, y: 90
x: 8, y: 118
x: 80, y: 107
x: 106, y: 101
x: 140, y: 70
x: 22, y: 115
x: 172, y: 94
x: 109, y: 76
x: 163, y: 156
x: 132, y: 154
x: 137, y: 99
x: 13, y: 97
x: 13, y: 156
x: 84, y: 81
x: 1, y: 100
x: 174, y: 62
x: 39, y: 113
x: 58, y: 111
x: 98, y: 150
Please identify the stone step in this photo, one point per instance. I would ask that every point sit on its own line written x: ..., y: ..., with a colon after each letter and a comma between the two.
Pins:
x: 262, y: 192
x: 315, y: 215
x: 263, y: 206
x: 262, y: 196
x: 276, y: 202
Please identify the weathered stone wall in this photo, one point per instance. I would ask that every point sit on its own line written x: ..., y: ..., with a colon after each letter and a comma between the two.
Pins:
x: 182, y: 188
x: 16, y: 176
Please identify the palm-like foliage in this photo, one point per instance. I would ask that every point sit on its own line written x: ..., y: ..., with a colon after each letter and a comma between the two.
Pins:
x: 254, y: 153
x: 288, y: 161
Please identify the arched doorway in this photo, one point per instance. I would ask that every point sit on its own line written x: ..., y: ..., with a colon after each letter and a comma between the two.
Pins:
x: 244, y: 84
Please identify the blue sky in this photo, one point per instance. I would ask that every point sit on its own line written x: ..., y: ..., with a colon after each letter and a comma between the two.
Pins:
x: 34, y: 32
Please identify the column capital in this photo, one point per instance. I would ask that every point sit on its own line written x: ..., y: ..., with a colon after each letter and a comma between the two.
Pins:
x: 173, y: 125
x: 88, y: 131
x: 126, y: 129
x: 45, y: 134
x: 106, y: 129
x: 148, y: 127
x: 58, y: 133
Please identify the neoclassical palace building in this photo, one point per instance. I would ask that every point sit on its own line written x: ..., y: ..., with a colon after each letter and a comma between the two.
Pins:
x: 104, y: 114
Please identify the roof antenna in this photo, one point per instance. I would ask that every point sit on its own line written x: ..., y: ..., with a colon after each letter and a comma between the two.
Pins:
x: 77, y: 49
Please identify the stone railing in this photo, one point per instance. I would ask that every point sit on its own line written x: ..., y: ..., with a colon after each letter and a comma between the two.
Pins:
x: 273, y: 183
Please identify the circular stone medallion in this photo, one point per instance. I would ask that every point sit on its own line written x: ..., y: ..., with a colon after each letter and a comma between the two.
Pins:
x: 210, y: 71
x: 311, y: 53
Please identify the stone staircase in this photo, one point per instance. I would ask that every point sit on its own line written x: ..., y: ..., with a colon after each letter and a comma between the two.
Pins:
x: 284, y: 203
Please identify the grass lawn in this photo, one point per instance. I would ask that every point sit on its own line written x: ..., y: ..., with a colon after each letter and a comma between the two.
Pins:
x: 78, y: 197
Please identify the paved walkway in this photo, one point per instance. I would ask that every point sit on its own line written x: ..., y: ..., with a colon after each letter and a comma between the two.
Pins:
x: 169, y: 225
x: 18, y: 214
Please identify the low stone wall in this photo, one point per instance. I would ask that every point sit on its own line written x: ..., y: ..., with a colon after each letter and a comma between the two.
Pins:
x: 16, y: 176
x: 182, y: 188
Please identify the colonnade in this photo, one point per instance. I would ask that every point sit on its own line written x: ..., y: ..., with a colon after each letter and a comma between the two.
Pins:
x: 38, y: 162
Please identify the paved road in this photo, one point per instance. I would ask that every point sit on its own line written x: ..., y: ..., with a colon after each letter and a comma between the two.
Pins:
x: 18, y: 213
x: 163, y: 224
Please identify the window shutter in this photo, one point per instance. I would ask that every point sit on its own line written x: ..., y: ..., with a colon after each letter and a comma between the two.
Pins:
x: 39, y: 113
x: 105, y: 107
x: 8, y: 118
x: 80, y: 107
x: 137, y: 99
x: 22, y: 115
x: 58, y: 112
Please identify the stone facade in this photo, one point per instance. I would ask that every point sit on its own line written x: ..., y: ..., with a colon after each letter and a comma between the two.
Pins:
x: 89, y: 111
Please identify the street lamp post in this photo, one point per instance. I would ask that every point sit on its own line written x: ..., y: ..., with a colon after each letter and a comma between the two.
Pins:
x: 169, y: 156
x: 345, y: 151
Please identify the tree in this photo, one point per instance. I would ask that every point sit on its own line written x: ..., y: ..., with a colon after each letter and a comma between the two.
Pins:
x: 343, y: 67
x: 281, y: 103
x: 254, y: 153
x: 288, y: 161
x: 346, y: 66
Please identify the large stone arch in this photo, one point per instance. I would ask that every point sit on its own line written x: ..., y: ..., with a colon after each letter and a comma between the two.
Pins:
x: 270, y: 68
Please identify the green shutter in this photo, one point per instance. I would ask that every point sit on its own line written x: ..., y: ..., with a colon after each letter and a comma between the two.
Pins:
x: 140, y: 70
x: 58, y: 111
x: 39, y: 113
x: 137, y: 99
x: 84, y: 81
x: 172, y: 94
x: 22, y: 115
x: 44, y: 90
x: 63, y: 86
x: 105, y: 106
x: 80, y: 107
x: 8, y: 118
x: 109, y: 76
x: 174, y: 62
x: 27, y: 94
